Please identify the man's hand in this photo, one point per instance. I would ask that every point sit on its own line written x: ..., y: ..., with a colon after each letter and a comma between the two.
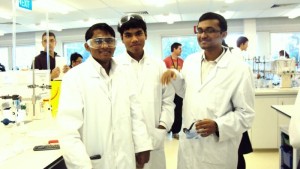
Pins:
x: 142, y: 158
x: 167, y: 76
x: 55, y: 73
x: 66, y: 68
x: 206, y: 127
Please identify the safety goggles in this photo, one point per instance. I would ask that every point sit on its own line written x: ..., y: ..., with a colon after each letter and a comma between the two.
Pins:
x: 191, y: 133
x: 99, y: 42
x: 127, y: 18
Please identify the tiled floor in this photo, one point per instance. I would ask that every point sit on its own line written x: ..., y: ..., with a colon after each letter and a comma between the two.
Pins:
x: 259, y: 159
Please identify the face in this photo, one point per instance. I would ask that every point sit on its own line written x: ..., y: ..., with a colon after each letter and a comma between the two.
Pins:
x: 104, y: 53
x: 134, y: 40
x: 76, y: 62
x: 178, y: 51
x: 244, y: 46
x: 52, y: 43
x: 209, y: 34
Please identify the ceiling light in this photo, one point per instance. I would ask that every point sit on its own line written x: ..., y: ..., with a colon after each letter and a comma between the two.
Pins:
x: 158, y: 3
x: 5, y: 15
x: 169, y: 18
x: 293, y: 13
x: 226, y: 14
x: 50, y: 26
x: 52, y: 6
x: 229, y: 1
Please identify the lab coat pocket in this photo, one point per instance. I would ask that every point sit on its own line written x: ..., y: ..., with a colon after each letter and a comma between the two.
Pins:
x: 98, y: 163
x: 158, y: 138
x: 216, y: 152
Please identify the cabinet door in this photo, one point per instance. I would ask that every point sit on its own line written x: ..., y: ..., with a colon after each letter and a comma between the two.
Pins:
x: 284, y: 120
x: 264, y: 130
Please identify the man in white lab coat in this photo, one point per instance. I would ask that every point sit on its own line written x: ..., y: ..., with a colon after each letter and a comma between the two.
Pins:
x: 101, y: 120
x: 218, y: 105
x: 156, y: 99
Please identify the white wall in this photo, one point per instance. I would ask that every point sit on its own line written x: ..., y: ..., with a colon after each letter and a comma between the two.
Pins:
x: 156, y: 31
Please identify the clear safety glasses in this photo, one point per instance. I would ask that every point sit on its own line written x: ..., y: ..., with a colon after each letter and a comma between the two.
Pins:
x: 99, y: 42
x: 127, y: 18
x: 191, y: 133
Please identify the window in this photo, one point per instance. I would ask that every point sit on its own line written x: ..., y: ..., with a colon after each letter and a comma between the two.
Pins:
x: 290, y: 42
x: 189, y: 45
x: 71, y: 47
x: 4, y: 57
x: 25, y: 56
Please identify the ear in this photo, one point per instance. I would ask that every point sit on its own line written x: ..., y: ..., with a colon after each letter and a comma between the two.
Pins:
x: 224, y: 34
x: 87, y: 47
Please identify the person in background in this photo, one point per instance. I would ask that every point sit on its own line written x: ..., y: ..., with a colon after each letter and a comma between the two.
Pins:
x: 101, y: 121
x: 75, y: 59
x: 294, y: 126
x: 242, y: 44
x: 175, y: 62
x: 283, y: 53
x: 245, y: 145
x: 218, y: 100
x: 2, y: 68
x: 40, y: 61
x: 156, y: 99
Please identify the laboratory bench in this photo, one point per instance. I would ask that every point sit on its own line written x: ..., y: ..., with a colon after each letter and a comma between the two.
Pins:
x: 17, y: 142
x: 289, y: 156
x: 265, y: 127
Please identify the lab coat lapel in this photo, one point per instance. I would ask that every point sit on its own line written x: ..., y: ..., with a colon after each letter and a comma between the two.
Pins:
x: 144, y: 74
x: 93, y: 73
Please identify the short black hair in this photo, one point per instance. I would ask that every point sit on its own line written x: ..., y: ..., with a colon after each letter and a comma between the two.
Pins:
x: 133, y: 22
x: 99, y: 26
x: 211, y: 15
x: 175, y: 45
x: 284, y: 53
x: 74, y: 56
x: 241, y: 40
x: 50, y: 34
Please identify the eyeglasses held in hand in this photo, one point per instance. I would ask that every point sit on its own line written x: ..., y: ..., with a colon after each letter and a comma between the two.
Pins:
x: 127, y: 18
x: 207, y: 31
x: 99, y: 42
x: 191, y: 133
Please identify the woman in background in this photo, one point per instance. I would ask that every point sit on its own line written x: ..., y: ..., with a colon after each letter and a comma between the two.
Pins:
x: 75, y: 59
x: 284, y: 53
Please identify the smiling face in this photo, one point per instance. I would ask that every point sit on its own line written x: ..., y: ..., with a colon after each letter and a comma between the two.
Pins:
x: 134, y: 41
x: 104, y: 52
x: 209, y: 34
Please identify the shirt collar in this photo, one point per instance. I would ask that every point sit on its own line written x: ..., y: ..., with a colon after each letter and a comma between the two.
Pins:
x: 99, y: 67
x: 131, y: 60
x: 217, y: 59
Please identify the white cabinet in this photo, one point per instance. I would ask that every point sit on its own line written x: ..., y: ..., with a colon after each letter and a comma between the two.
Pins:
x: 265, y: 128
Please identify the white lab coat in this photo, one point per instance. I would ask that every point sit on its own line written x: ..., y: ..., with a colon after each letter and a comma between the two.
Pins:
x: 294, y: 129
x: 227, y: 97
x: 157, y: 104
x: 97, y: 121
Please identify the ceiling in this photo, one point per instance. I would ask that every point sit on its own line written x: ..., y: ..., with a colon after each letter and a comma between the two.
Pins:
x: 67, y: 14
